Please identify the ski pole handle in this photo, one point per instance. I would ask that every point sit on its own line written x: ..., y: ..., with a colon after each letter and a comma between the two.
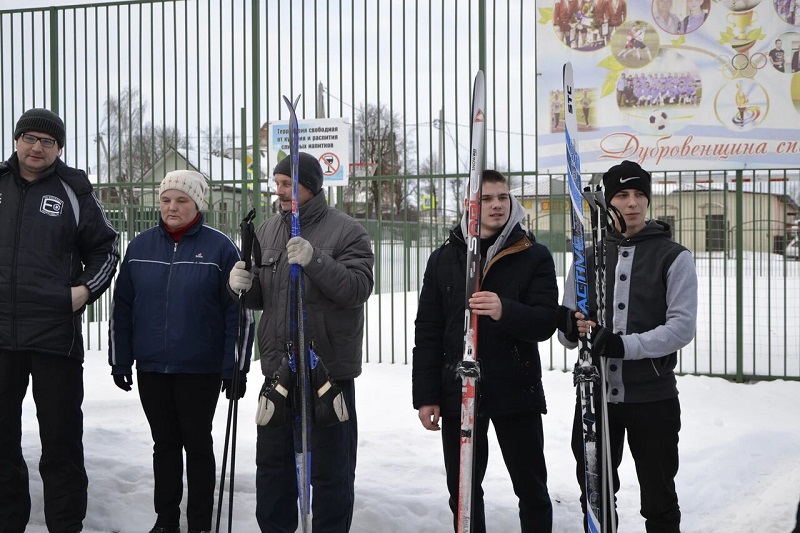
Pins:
x: 246, y: 230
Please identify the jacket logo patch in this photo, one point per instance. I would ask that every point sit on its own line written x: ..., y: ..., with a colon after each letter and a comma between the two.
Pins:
x: 51, y: 206
x: 199, y: 256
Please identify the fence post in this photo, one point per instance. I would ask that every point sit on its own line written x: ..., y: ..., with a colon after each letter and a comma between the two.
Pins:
x: 739, y: 280
x: 256, y: 112
x: 243, y: 160
x: 54, y: 55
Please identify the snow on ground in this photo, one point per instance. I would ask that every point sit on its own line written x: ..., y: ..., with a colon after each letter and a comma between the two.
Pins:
x: 740, y: 465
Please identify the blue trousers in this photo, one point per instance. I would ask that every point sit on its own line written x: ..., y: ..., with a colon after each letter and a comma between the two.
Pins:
x: 58, y: 393
x: 333, y: 473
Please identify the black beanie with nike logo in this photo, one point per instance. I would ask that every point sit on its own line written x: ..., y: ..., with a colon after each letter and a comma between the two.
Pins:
x: 626, y: 175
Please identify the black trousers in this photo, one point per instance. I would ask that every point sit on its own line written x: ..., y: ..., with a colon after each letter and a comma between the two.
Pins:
x: 521, y: 440
x: 333, y: 474
x: 180, y: 409
x: 797, y: 524
x: 652, y: 430
x: 58, y: 394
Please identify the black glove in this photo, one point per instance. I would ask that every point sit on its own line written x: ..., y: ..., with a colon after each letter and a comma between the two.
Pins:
x: 567, y: 323
x: 273, y: 408
x: 329, y: 405
x: 123, y: 381
x: 227, y: 387
x: 606, y: 343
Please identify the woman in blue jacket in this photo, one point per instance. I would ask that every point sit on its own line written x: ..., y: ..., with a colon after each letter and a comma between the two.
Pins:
x: 172, y: 314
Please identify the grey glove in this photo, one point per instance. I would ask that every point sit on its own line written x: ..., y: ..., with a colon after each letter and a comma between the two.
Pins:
x: 300, y: 251
x: 240, y: 279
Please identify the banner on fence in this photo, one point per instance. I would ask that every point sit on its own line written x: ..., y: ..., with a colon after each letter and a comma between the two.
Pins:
x: 683, y: 84
x: 327, y: 139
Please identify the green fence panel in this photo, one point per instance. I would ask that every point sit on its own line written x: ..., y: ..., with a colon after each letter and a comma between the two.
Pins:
x: 149, y: 86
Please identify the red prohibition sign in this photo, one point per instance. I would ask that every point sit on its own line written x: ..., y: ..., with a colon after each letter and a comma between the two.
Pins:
x: 330, y: 163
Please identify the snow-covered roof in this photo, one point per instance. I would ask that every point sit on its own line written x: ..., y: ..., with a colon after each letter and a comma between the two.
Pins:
x: 753, y: 187
x: 218, y: 168
x: 538, y: 186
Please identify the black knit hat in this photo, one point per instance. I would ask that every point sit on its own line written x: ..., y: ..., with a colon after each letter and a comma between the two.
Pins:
x: 43, y: 120
x: 309, y: 173
x: 626, y: 175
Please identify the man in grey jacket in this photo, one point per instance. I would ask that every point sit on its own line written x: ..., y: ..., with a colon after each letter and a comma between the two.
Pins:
x: 650, y: 313
x: 336, y: 255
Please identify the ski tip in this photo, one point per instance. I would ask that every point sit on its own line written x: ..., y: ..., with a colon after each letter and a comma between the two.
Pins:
x: 289, y: 103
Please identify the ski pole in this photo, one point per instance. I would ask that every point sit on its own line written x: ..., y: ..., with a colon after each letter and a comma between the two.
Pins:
x: 247, y: 232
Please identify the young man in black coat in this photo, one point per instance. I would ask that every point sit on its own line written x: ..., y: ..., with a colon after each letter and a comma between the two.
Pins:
x: 516, y: 303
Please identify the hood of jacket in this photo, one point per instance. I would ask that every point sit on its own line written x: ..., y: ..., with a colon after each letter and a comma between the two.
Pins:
x: 516, y: 215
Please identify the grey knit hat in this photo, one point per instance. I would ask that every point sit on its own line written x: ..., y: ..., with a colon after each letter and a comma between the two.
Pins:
x: 43, y: 120
x: 309, y: 173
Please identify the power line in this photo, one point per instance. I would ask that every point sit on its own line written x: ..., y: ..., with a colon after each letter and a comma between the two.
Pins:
x: 437, y: 120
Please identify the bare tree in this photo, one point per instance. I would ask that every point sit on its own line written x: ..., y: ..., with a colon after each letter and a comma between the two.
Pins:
x: 430, y: 184
x: 217, y: 143
x: 131, y: 145
x: 383, y: 142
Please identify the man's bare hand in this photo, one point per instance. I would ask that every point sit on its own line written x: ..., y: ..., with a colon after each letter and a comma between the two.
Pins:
x: 80, y: 295
x: 486, y: 303
x: 429, y: 416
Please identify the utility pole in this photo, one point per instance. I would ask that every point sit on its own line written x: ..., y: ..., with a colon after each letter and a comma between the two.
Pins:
x: 321, y: 101
x: 439, y: 124
x: 99, y: 140
x: 441, y: 141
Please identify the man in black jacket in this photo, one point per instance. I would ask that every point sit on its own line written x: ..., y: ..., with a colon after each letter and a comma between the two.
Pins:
x: 517, y: 300
x: 58, y: 253
x: 649, y: 313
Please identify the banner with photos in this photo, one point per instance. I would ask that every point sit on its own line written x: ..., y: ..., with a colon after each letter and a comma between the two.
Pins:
x: 671, y: 84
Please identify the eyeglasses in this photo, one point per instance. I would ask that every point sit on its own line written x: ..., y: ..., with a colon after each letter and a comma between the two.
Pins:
x: 45, y: 141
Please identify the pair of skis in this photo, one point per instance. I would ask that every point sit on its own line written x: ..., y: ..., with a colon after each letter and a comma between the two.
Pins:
x: 586, y: 375
x: 299, y: 355
x: 598, y: 480
x: 469, y: 369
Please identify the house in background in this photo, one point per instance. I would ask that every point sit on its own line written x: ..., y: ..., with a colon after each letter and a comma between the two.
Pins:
x: 702, y: 212
x: 230, y: 186
x: 547, y: 210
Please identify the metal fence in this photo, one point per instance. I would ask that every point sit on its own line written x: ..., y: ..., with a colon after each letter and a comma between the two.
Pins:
x: 147, y: 86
